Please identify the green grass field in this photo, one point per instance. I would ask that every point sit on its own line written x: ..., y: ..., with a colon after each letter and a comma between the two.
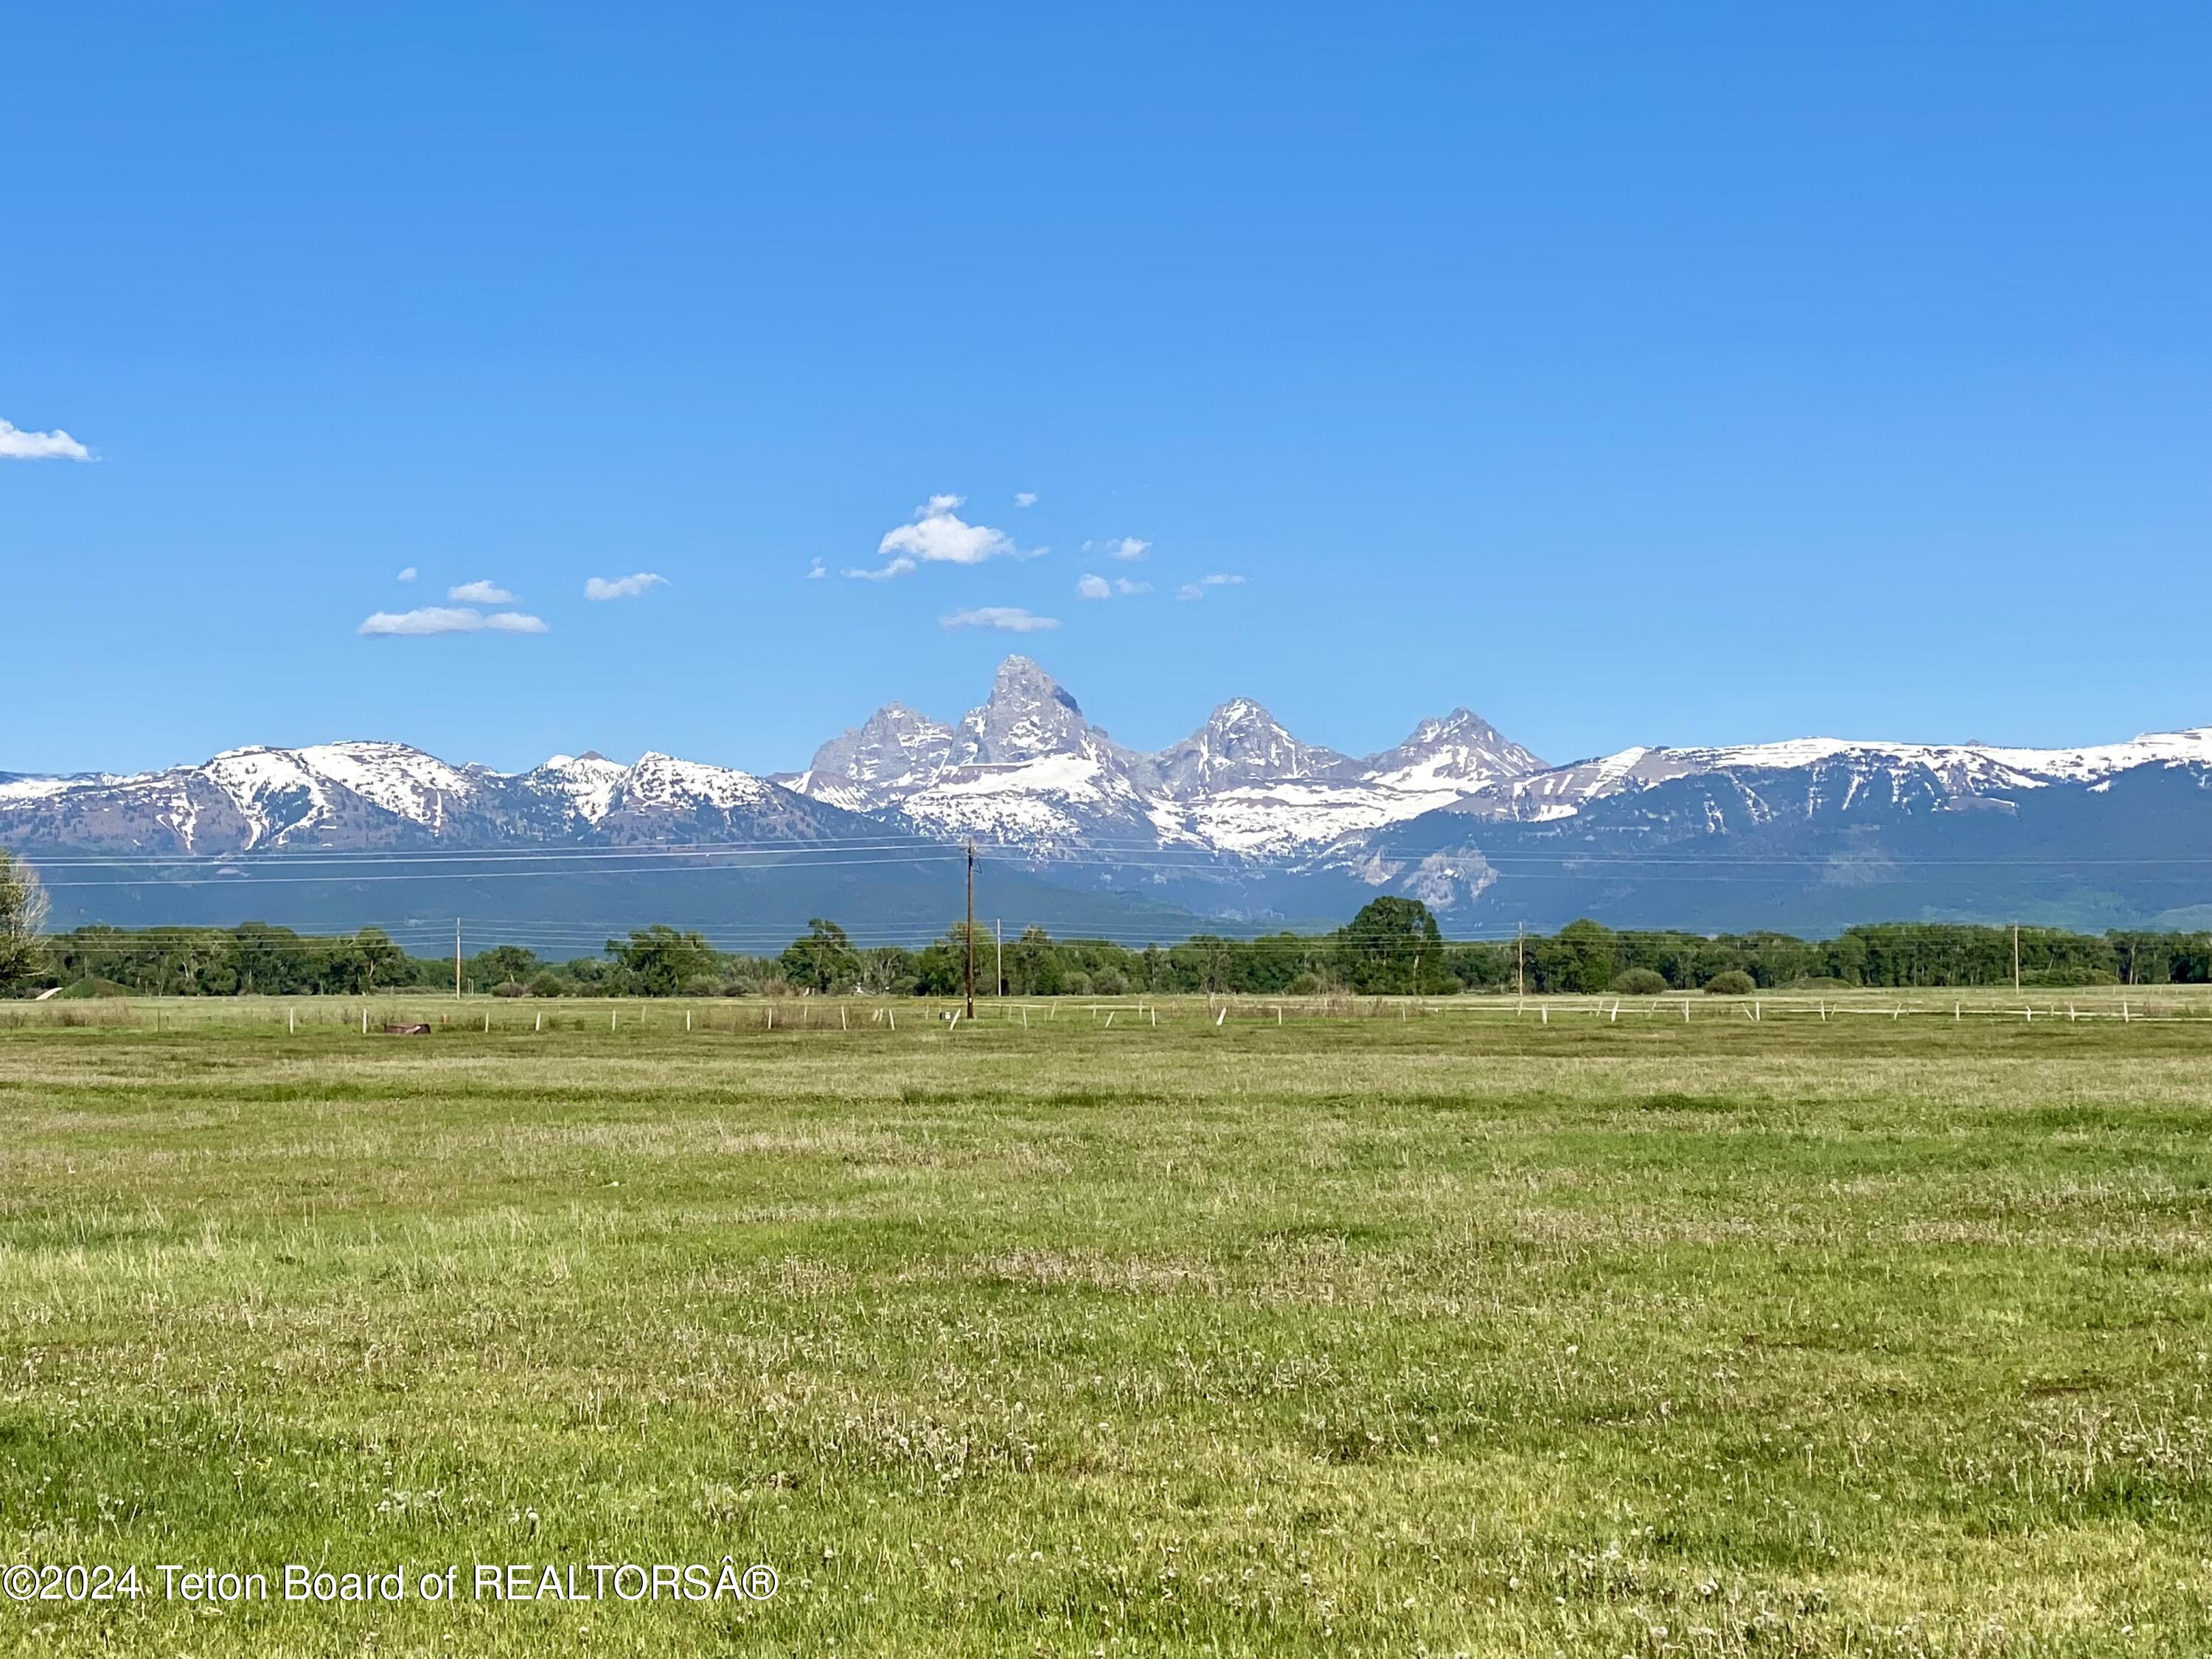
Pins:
x: 1441, y: 1332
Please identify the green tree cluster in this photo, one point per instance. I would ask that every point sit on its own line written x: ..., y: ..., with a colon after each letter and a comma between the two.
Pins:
x: 254, y: 957
x: 22, y: 926
x: 1393, y: 947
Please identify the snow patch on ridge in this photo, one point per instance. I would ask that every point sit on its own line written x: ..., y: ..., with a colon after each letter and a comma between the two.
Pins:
x: 1958, y: 769
x: 662, y: 779
x: 588, y: 782
x: 403, y: 781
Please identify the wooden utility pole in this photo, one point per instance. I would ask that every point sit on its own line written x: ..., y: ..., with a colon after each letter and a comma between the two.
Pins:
x: 998, y: 932
x: 1520, y: 961
x: 457, y: 958
x: 971, y: 929
x: 2015, y: 955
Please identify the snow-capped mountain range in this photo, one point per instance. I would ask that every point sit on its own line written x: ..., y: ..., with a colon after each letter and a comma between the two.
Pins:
x: 388, y: 796
x: 1242, y: 818
x: 1955, y: 771
x: 1026, y: 770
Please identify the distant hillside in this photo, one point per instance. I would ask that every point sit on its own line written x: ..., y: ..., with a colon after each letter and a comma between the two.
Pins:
x: 759, y: 903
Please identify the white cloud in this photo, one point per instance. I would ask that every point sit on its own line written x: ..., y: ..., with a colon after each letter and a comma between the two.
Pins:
x: 623, y: 588
x: 896, y: 567
x: 1098, y: 587
x: 479, y: 593
x: 816, y: 571
x: 1009, y: 618
x: 938, y: 535
x: 444, y: 619
x: 1025, y: 498
x: 1120, y: 547
x: 1197, y: 590
x: 408, y: 574
x: 17, y: 445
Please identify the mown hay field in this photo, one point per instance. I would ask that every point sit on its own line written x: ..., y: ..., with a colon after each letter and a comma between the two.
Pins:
x: 1441, y: 1332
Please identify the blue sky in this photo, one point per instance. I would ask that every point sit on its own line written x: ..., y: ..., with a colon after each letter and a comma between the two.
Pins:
x: 1627, y: 373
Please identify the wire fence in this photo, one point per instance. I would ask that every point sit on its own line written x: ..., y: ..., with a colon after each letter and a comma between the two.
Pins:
x: 436, y: 1013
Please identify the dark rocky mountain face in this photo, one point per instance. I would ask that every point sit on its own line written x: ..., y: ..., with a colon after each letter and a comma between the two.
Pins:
x: 1461, y: 749
x: 871, y: 766
x: 1027, y: 716
x: 1241, y: 745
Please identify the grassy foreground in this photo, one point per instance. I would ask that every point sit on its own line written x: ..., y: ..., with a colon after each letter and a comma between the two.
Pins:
x: 1348, y: 1336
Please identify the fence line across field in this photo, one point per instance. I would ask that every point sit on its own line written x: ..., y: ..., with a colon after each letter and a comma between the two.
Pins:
x: 501, y: 1017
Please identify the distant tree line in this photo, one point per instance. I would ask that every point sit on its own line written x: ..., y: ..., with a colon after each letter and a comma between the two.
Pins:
x: 1393, y: 946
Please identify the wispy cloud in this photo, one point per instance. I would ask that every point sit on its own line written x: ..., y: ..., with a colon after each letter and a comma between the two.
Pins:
x: 938, y: 535
x: 1120, y: 547
x: 896, y: 567
x: 17, y: 445
x: 1025, y: 498
x: 1099, y: 588
x: 408, y: 574
x: 479, y: 593
x: 1008, y: 618
x: 623, y: 588
x: 816, y: 571
x: 1197, y: 590
x: 445, y: 619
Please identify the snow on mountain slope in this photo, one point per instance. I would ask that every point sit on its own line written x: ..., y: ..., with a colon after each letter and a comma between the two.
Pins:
x: 1026, y: 770
x: 1963, y: 770
x: 2101, y: 760
x: 587, y: 783
x: 387, y: 796
x: 876, y: 764
x: 1457, y: 754
x: 274, y: 791
x: 1240, y: 744
x: 1055, y: 803
x: 1814, y: 833
x: 22, y: 787
x: 1279, y: 820
x: 1023, y: 768
x: 403, y: 781
x: 663, y: 780
x: 1026, y: 717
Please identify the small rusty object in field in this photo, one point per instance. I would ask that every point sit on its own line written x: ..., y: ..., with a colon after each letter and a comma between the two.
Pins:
x: 415, y: 1030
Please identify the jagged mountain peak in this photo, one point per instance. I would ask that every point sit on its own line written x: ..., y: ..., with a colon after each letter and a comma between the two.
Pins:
x: 1027, y: 716
x: 1460, y: 722
x: 1021, y: 684
x: 894, y: 726
x: 1455, y: 753
x: 893, y: 752
x: 1240, y: 744
x: 1240, y: 716
x: 1026, y: 767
